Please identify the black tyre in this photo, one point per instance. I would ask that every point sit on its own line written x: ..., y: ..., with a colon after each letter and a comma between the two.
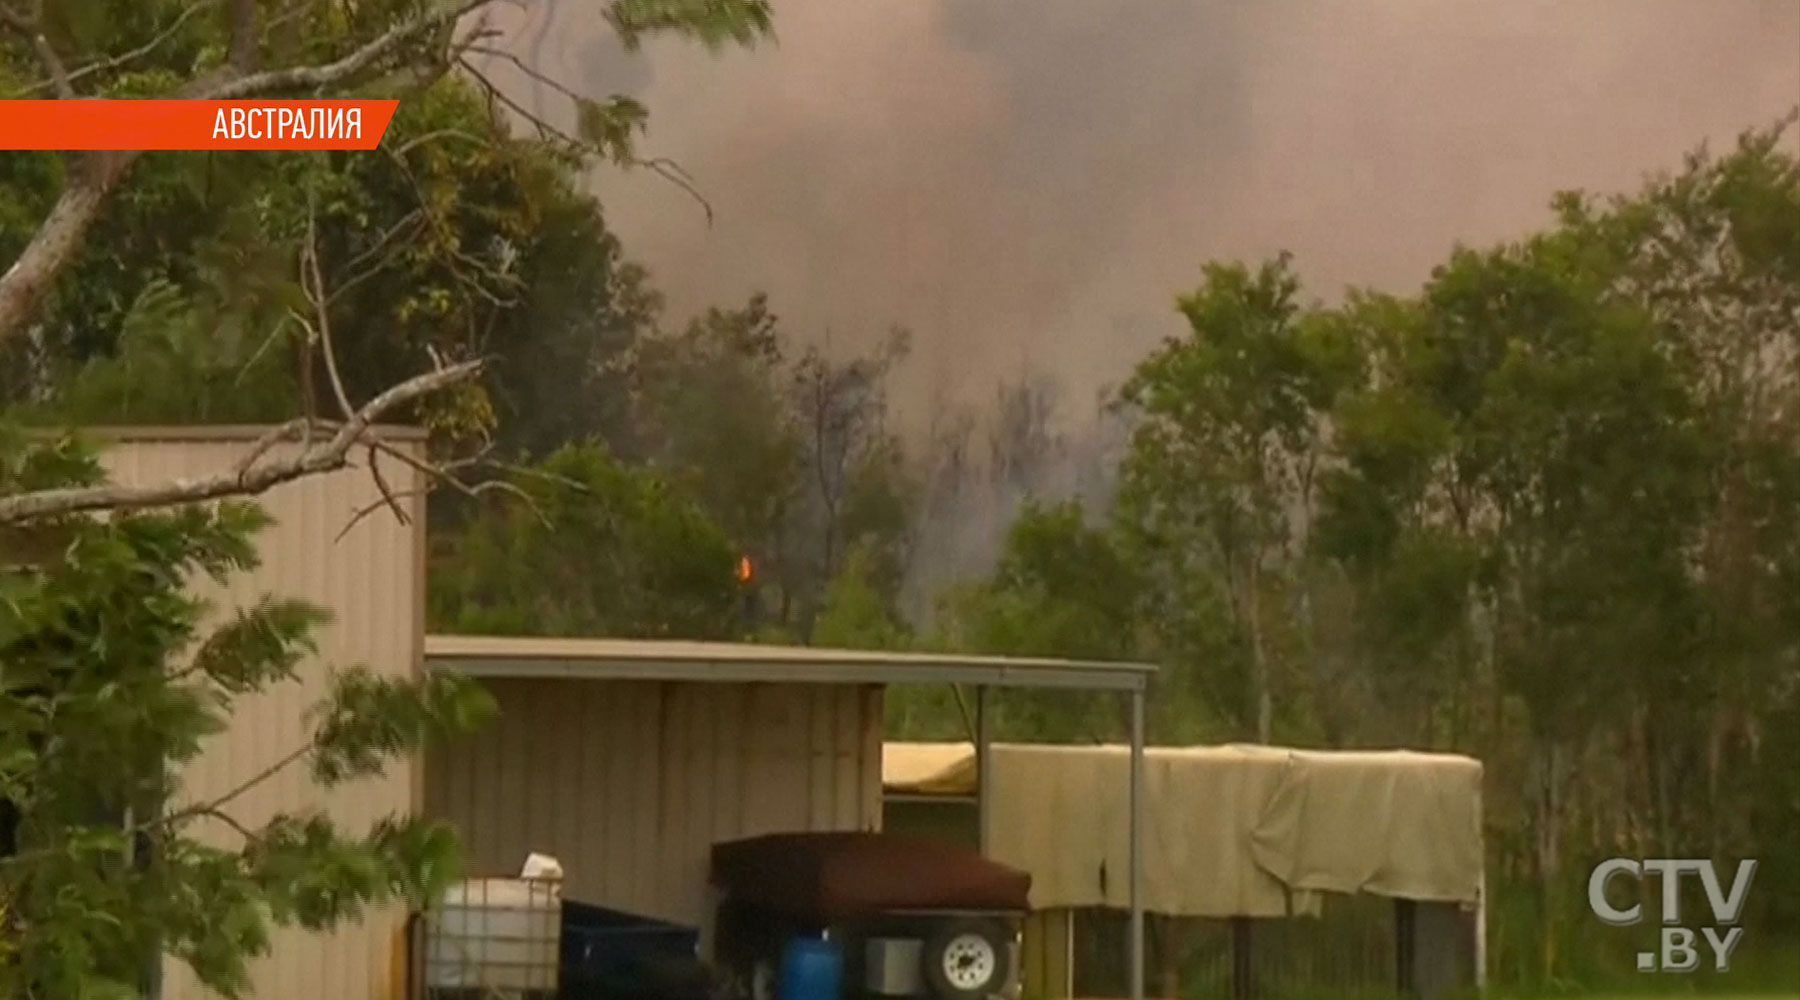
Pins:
x: 966, y: 959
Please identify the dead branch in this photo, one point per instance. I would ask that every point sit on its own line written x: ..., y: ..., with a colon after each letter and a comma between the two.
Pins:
x: 365, y: 265
x: 537, y: 76
x: 254, y: 478
x: 670, y: 171
x: 663, y: 167
x: 445, y: 475
x: 473, y: 490
x: 312, y: 283
x: 435, y: 474
x: 390, y: 500
x: 546, y: 131
x: 387, y: 492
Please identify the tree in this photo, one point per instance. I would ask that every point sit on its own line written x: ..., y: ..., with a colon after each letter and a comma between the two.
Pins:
x: 1540, y: 511
x: 1553, y: 483
x: 108, y: 687
x: 1228, y: 436
x: 115, y: 48
x: 1062, y: 588
x: 600, y: 549
x: 857, y: 611
x: 481, y: 244
x: 857, y: 494
x: 791, y: 455
x: 99, y: 714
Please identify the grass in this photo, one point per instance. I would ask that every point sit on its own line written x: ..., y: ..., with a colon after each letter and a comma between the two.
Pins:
x: 1667, y: 992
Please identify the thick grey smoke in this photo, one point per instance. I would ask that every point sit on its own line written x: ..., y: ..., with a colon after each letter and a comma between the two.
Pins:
x: 1028, y: 183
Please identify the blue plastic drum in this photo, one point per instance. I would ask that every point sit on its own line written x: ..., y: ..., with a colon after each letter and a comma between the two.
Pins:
x: 811, y: 969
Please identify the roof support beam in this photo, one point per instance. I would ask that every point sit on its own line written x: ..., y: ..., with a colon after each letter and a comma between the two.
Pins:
x: 510, y: 658
x: 1137, y: 846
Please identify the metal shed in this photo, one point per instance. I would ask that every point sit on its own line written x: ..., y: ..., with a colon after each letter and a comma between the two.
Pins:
x: 626, y: 758
x: 372, y: 577
x: 629, y: 759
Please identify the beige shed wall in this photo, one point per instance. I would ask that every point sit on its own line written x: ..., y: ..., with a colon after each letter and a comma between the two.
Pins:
x: 372, y: 579
x: 629, y: 783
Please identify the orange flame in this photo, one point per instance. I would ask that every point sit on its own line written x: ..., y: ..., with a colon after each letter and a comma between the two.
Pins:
x: 745, y: 571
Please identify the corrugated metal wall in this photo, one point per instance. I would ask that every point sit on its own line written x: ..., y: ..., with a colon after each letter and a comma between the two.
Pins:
x: 372, y: 578
x: 629, y: 783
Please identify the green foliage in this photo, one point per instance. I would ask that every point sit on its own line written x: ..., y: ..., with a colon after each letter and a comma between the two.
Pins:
x: 713, y: 23
x: 178, y: 362
x: 708, y: 407
x: 601, y: 549
x: 790, y: 455
x: 1220, y: 476
x: 108, y: 685
x: 612, y: 125
x: 857, y: 611
x: 1062, y: 588
x: 456, y: 238
x: 1541, y: 512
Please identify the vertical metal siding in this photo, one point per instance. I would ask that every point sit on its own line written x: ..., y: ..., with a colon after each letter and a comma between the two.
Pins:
x: 629, y: 783
x: 369, y: 579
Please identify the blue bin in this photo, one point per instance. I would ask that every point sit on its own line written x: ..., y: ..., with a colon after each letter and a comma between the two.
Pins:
x: 812, y: 968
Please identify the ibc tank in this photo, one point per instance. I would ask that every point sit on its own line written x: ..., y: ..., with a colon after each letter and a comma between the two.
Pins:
x: 811, y: 969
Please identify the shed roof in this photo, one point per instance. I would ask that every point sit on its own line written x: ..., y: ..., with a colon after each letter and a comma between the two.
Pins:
x: 729, y: 662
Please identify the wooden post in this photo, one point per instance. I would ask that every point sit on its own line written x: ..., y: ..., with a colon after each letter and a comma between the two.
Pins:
x: 1243, y: 960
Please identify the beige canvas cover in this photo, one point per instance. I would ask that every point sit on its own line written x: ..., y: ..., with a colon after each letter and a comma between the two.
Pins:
x: 1234, y: 830
x: 928, y: 768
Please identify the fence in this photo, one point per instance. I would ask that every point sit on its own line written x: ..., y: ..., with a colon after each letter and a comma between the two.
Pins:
x: 1359, y: 946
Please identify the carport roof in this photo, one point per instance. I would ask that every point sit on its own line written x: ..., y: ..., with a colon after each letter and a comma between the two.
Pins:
x: 729, y: 662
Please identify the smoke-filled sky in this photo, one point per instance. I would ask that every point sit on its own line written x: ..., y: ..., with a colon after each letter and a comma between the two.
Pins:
x: 1029, y: 183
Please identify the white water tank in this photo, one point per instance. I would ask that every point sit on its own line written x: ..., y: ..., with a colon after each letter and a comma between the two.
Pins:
x: 496, y: 934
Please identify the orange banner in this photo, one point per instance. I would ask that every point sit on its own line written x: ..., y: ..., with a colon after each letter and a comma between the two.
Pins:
x: 137, y: 125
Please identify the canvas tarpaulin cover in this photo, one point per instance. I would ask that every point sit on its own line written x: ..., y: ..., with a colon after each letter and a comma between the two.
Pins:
x: 1237, y: 830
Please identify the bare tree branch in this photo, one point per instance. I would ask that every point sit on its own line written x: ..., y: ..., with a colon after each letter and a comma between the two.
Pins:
x: 312, y: 282
x: 387, y: 492
x: 535, y: 75
x: 670, y: 171
x: 293, y: 430
x: 545, y: 130
x: 663, y: 167
x: 257, y: 476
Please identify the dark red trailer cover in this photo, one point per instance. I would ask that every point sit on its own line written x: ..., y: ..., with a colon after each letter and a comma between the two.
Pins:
x: 848, y: 876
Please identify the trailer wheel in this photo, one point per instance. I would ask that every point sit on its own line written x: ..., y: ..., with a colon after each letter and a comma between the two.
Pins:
x: 965, y: 959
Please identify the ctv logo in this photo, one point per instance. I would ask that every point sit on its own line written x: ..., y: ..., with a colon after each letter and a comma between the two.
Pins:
x: 1679, y: 952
